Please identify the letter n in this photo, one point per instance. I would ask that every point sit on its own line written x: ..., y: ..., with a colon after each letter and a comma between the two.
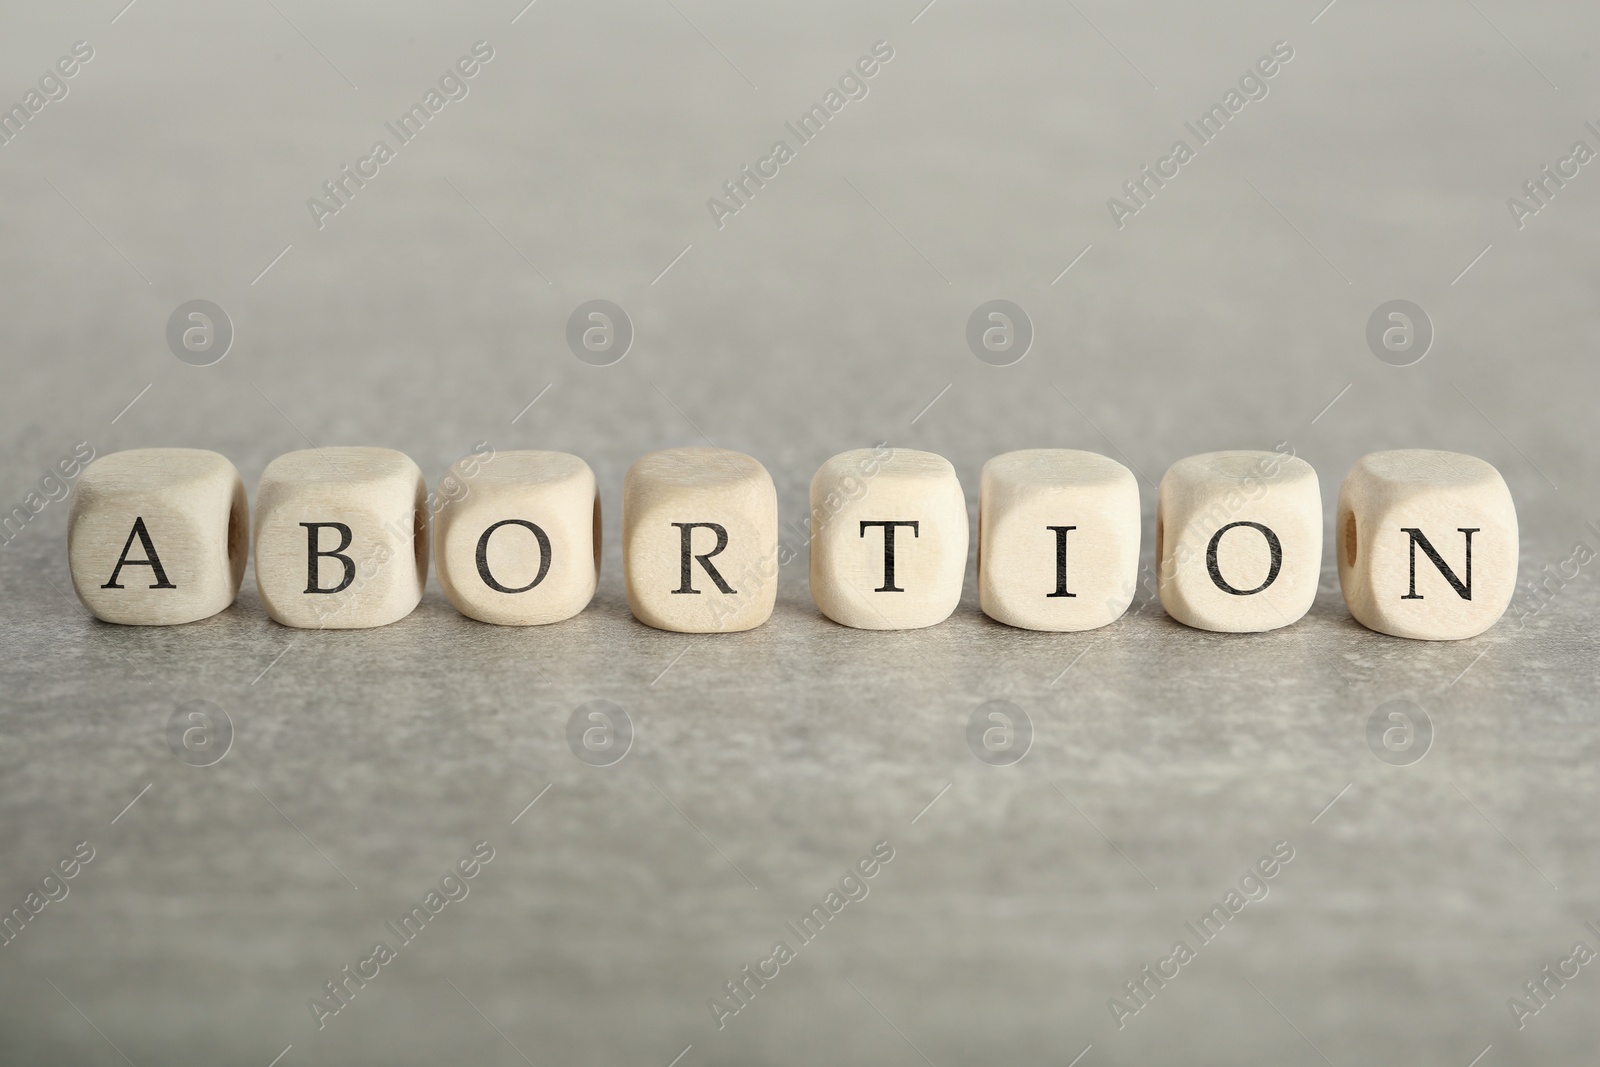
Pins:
x: 1462, y: 586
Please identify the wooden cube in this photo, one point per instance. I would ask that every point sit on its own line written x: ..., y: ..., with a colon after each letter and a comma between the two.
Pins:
x: 341, y: 537
x: 516, y: 537
x: 888, y: 538
x: 1426, y: 543
x: 700, y: 540
x: 1238, y: 540
x: 158, y: 536
x: 1058, y: 539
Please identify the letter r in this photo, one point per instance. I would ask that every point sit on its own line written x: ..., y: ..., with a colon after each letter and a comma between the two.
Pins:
x: 686, y: 574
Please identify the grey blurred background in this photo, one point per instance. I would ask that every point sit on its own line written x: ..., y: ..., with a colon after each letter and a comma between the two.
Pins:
x: 829, y: 313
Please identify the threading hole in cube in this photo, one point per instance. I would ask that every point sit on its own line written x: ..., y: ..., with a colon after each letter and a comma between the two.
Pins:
x: 1161, y: 529
x: 1349, y: 539
x: 237, y: 537
x: 419, y: 541
x: 597, y: 533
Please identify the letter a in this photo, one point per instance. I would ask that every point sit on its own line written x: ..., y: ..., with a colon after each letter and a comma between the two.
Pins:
x: 150, y: 560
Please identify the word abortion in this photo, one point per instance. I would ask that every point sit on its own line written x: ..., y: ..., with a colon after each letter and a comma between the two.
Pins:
x: 1425, y: 541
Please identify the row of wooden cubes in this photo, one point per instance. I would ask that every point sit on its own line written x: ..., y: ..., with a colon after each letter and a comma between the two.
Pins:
x: 1426, y: 540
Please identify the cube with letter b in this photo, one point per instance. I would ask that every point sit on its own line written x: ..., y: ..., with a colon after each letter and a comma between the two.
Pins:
x: 700, y: 540
x: 341, y: 537
x: 158, y: 536
x: 1058, y: 539
x: 888, y: 538
x: 517, y: 537
x: 1238, y: 540
x: 1426, y: 544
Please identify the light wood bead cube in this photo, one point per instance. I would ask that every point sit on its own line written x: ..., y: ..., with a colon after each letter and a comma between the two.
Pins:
x: 516, y: 537
x: 1058, y: 539
x: 888, y: 538
x: 1238, y: 540
x: 158, y: 536
x: 341, y: 537
x: 700, y: 540
x: 1426, y: 543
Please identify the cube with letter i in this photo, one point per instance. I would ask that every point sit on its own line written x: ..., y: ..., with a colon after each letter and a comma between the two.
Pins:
x: 1058, y: 539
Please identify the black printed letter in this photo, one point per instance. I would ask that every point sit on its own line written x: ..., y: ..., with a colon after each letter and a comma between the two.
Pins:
x: 1061, y: 561
x: 686, y: 530
x: 313, y: 530
x: 152, y: 560
x: 1272, y: 571
x: 888, y: 585
x: 1463, y: 589
x: 483, y: 556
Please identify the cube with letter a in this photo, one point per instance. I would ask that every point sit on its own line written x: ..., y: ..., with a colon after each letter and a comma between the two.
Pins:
x: 158, y: 536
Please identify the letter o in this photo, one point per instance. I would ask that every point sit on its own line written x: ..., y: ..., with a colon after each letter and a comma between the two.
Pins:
x: 1273, y: 544
x: 544, y: 556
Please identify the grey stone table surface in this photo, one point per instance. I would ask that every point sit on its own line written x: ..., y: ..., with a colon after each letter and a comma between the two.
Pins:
x: 828, y: 312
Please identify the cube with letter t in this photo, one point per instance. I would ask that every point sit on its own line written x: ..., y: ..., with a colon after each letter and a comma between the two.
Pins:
x: 888, y: 539
x: 341, y: 537
x: 1426, y: 544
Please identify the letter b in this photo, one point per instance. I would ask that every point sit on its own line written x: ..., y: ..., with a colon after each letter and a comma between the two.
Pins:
x: 314, y: 553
